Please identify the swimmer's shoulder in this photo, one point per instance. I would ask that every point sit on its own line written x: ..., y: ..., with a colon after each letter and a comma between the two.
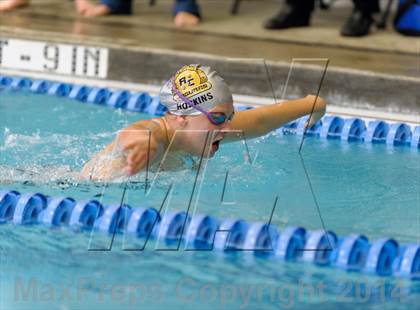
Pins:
x: 154, y: 127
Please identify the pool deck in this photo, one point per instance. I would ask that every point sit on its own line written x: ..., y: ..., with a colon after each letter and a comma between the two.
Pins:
x: 379, y: 72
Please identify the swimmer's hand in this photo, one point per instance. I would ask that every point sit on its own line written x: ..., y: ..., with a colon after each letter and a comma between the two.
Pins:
x: 133, y: 150
x: 319, y: 110
x: 140, y: 148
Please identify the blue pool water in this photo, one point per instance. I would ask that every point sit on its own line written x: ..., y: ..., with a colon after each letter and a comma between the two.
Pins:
x: 368, y: 189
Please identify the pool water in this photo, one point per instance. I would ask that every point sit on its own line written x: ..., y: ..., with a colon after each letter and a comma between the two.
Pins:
x: 359, y: 188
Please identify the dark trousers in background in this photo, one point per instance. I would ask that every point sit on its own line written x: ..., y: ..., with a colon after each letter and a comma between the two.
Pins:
x: 367, y: 6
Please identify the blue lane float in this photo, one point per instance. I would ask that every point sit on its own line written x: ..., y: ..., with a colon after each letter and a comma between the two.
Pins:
x: 319, y: 247
x: 332, y: 126
x: 80, y: 93
x: 376, y: 132
x: 353, y: 129
x: 384, y: 257
x: 40, y: 86
x: 201, y: 232
x: 231, y: 235
x: 408, y: 262
x: 415, y: 139
x: 143, y: 222
x: 119, y: 99
x: 155, y: 108
x: 138, y: 102
x: 329, y: 127
x: 261, y: 238
x: 114, y: 219
x: 381, y: 256
x: 98, y: 95
x: 21, y: 84
x: 290, y: 128
x: 301, y: 129
x: 173, y: 226
x: 59, y: 89
x: 291, y: 243
x: 5, y: 81
x: 57, y: 212
x: 8, y: 201
x: 85, y: 213
x: 352, y: 253
x: 398, y: 134
x: 28, y: 208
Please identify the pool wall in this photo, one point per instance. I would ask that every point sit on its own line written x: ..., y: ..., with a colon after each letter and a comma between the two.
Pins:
x: 342, y: 87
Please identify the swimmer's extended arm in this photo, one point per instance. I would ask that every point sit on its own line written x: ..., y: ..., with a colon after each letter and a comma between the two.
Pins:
x: 260, y: 121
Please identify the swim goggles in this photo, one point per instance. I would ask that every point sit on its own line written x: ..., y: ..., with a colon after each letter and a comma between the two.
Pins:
x: 216, y: 118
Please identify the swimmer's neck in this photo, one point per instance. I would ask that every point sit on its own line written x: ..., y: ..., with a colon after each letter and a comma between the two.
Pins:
x: 172, y: 143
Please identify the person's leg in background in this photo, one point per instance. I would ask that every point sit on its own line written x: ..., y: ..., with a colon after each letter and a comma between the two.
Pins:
x: 186, y: 13
x: 295, y: 13
x: 106, y: 7
x: 9, y: 5
x: 360, y: 21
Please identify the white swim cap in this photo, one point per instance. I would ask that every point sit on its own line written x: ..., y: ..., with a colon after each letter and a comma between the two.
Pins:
x: 200, y: 85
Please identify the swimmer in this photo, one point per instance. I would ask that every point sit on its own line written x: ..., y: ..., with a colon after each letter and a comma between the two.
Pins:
x: 200, y: 117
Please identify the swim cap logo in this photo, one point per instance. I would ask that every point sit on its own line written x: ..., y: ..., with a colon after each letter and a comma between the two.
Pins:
x: 191, y: 80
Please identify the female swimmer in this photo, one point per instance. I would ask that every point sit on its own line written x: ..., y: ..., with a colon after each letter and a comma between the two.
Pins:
x: 200, y: 116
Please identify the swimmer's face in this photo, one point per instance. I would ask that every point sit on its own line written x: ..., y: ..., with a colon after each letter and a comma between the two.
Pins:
x: 201, y: 134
